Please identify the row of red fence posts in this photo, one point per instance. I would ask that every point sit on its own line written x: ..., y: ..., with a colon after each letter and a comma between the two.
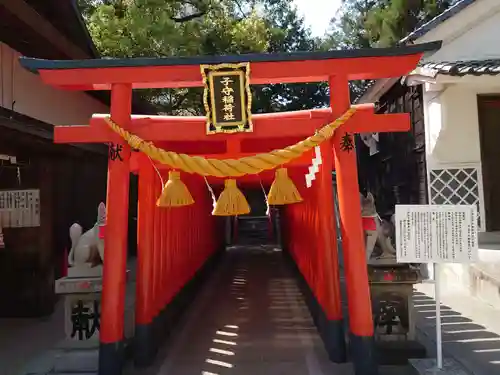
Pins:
x: 174, y: 245
x: 309, y: 237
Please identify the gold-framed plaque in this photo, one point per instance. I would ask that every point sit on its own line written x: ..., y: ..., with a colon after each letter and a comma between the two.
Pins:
x: 227, y: 98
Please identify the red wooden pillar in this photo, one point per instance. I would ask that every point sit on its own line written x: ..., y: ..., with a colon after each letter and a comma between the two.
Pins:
x: 164, y: 265
x: 143, y: 348
x: 355, y: 267
x: 155, y: 275
x: 115, y: 241
x: 334, y: 325
x: 162, y: 273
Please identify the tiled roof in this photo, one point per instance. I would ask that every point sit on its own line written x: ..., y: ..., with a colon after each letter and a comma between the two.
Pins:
x: 462, y: 68
x: 489, y: 67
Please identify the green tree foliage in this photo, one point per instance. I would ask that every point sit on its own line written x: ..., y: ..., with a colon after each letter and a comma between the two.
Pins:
x: 390, y: 21
x: 348, y: 26
x: 287, y: 33
x: 162, y: 28
x: 378, y: 23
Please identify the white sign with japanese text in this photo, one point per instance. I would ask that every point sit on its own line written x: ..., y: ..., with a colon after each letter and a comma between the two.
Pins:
x: 20, y: 208
x: 436, y: 234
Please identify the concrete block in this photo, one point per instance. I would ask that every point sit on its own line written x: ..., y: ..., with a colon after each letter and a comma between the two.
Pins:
x: 428, y: 366
x: 77, y: 361
x: 41, y: 365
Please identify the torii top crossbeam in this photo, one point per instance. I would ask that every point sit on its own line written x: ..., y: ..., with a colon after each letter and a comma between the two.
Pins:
x: 177, y: 72
x: 187, y: 134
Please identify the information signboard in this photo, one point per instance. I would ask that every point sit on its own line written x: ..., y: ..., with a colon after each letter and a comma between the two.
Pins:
x: 436, y: 234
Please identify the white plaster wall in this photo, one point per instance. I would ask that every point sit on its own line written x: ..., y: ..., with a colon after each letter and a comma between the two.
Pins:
x: 481, y: 41
x: 473, y: 33
x: 452, y: 124
x: 453, y: 130
x: 450, y: 106
x: 35, y: 99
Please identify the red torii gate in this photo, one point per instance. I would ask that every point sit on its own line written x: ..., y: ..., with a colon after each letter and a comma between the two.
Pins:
x: 188, y: 135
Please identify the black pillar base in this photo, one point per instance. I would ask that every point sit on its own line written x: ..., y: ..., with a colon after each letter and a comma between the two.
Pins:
x: 150, y: 337
x: 144, y: 352
x: 334, y: 340
x: 313, y: 305
x: 331, y: 331
x: 111, y: 358
x: 156, y: 336
x: 362, y: 350
x: 164, y: 326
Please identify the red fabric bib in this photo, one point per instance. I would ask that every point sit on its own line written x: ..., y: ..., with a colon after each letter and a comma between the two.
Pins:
x: 369, y: 223
x: 102, y: 230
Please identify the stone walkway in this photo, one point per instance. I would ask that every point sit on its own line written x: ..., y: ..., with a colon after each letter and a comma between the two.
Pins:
x: 471, y: 328
x: 24, y: 339
x: 249, y: 319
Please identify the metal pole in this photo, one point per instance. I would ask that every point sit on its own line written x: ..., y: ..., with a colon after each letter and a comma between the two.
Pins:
x: 439, y: 338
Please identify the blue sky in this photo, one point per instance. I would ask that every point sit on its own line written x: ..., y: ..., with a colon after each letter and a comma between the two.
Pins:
x: 317, y: 13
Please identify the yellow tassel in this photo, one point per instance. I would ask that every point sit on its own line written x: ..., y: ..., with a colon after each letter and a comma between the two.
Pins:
x: 283, y: 190
x: 175, y: 193
x: 231, y: 201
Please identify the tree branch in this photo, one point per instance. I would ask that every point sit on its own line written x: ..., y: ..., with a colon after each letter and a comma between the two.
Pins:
x: 240, y: 8
x: 189, y: 17
x: 201, y: 7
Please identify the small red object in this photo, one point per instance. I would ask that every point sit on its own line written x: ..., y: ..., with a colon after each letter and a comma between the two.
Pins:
x: 388, y: 277
x: 369, y: 223
x: 102, y: 231
x: 84, y: 285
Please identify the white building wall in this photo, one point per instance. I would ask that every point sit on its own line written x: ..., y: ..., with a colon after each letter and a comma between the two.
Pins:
x: 25, y: 93
x: 453, y: 143
x: 470, y: 34
x: 453, y: 133
x: 451, y: 113
x: 479, y: 42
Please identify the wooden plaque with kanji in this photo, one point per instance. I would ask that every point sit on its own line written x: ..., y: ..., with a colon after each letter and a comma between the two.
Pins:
x: 227, y: 98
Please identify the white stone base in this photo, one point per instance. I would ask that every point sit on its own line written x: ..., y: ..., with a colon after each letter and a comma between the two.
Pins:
x: 85, y: 271
x: 82, y: 292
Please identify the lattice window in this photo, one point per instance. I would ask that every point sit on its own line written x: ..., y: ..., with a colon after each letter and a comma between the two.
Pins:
x: 456, y: 186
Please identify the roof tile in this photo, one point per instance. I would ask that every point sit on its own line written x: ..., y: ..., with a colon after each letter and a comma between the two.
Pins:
x: 462, y: 68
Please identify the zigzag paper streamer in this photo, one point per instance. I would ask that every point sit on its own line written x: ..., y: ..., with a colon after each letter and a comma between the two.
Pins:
x: 314, y: 168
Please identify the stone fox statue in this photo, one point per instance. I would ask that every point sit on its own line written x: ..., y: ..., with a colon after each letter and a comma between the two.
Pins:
x: 378, y: 232
x: 87, y: 248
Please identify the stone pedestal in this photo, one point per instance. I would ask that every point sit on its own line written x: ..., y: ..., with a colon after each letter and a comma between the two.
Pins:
x: 392, y: 298
x: 81, y: 291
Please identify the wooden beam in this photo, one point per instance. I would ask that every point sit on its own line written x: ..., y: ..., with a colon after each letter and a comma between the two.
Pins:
x: 40, y: 25
x: 166, y: 128
x: 271, y: 125
x: 178, y: 76
x: 383, y: 123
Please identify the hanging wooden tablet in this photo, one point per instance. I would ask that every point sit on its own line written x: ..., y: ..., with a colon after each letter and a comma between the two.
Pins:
x: 227, y: 98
